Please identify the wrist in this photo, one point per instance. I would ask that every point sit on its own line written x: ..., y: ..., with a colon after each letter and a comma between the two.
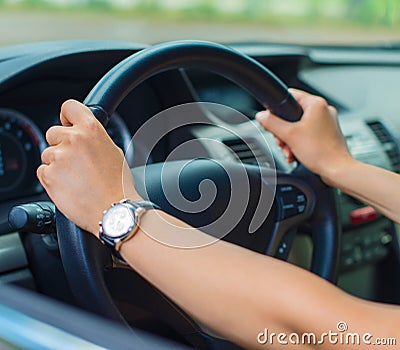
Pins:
x: 335, y: 174
x: 129, y: 192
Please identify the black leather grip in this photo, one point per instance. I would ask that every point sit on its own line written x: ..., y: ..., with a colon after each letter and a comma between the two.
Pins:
x: 267, y: 88
x: 84, y: 260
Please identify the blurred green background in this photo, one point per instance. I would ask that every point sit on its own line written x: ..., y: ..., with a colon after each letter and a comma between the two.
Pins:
x: 288, y: 21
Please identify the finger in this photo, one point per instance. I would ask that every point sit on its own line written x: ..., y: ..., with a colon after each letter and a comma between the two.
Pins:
x: 41, y: 173
x: 274, y: 124
x: 333, y: 111
x: 291, y: 159
x: 307, y: 100
x: 48, y: 155
x: 279, y: 142
x: 286, y: 151
x: 301, y: 94
x: 54, y: 135
x: 288, y: 154
x: 302, y: 97
x: 285, y: 148
x: 74, y: 113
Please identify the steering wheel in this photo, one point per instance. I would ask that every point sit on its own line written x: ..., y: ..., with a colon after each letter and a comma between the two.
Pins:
x: 85, y: 259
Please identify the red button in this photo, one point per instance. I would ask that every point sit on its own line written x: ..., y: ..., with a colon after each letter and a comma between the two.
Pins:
x: 363, y: 215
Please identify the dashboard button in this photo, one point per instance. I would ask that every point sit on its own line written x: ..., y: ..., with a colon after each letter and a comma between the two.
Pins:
x: 363, y: 215
x: 286, y: 189
x: 301, y: 198
x: 293, y: 201
x: 301, y: 209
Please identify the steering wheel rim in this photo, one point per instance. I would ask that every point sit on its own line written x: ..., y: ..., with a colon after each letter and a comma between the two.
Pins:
x: 82, y: 259
x: 264, y: 85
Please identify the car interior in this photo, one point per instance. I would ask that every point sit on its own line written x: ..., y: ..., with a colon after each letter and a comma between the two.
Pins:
x: 131, y: 83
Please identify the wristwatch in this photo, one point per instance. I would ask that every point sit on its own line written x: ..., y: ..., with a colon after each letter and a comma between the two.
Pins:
x: 121, y: 222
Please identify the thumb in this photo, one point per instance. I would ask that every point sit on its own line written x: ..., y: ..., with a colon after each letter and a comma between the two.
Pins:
x: 274, y: 124
x: 74, y: 112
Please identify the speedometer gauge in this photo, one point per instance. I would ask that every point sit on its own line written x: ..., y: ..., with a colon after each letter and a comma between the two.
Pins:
x: 21, y: 144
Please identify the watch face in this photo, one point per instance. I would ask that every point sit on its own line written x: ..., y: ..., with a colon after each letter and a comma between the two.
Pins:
x: 118, y: 221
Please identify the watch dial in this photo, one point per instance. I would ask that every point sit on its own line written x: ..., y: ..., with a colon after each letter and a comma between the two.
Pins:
x: 118, y: 221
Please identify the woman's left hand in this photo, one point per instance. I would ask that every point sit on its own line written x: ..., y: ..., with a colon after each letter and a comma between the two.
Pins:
x: 83, y: 171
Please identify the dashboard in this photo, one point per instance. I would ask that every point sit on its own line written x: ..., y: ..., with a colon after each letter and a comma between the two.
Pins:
x: 361, y: 83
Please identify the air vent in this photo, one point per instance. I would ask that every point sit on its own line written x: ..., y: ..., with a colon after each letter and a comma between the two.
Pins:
x: 247, y: 151
x: 388, y: 143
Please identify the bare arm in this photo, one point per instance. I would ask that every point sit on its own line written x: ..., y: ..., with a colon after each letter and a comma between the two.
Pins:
x: 238, y: 293
x: 233, y: 291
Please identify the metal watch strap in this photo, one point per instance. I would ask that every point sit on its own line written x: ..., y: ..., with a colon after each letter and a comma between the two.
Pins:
x: 142, y: 204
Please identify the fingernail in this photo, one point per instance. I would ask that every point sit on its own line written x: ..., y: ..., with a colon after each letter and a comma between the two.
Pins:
x: 286, y: 152
x: 262, y: 115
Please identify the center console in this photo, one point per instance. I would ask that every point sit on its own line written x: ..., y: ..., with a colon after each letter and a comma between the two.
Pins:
x: 369, y: 239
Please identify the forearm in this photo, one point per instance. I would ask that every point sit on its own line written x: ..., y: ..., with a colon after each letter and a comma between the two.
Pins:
x: 235, y: 292
x: 372, y: 185
x: 210, y: 283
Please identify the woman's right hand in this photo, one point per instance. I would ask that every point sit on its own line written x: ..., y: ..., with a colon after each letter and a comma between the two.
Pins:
x: 315, y: 140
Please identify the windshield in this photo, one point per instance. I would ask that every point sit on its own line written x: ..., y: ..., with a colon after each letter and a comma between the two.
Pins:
x: 316, y: 22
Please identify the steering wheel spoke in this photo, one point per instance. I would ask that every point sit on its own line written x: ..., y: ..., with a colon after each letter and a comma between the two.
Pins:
x: 295, y: 201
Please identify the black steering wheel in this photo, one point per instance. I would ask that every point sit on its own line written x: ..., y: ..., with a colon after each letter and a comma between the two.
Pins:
x: 300, y: 196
